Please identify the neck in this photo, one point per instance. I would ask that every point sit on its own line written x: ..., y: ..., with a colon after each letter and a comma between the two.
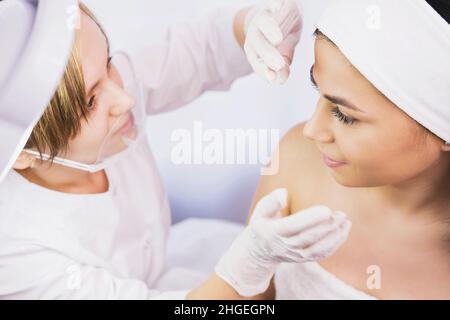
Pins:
x: 64, y: 179
x: 427, y: 191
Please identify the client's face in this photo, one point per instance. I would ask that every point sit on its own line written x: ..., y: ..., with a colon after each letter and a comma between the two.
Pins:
x: 372, y: 141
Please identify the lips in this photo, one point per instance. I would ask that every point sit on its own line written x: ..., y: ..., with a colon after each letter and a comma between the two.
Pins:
x: 331, y: 162
x: 126, y: 126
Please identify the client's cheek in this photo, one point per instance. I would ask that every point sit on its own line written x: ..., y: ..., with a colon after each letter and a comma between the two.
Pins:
x: 365, y: 165
x: 359, y: 154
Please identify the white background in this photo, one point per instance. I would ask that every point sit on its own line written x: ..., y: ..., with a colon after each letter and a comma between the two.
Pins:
x: 216, y: 191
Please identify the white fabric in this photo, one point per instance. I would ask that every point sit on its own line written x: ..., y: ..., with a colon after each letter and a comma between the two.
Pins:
x: 194, y: 248
x: 269, y: 239
x: 402, y: 47
x: 309, y: 281
x: 115, y: 241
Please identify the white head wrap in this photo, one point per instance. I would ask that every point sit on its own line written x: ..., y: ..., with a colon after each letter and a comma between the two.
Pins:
x: 403, y: 48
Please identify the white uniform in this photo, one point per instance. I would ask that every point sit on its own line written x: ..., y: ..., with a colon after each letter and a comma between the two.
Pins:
x: 309, y: 281
x: 113, y: 245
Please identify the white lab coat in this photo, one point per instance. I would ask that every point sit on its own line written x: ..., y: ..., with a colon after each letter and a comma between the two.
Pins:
x: 113, y: 245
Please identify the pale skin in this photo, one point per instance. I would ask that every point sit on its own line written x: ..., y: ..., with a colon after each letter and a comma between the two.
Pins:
x: 393, y: 186
x: 111, y: 102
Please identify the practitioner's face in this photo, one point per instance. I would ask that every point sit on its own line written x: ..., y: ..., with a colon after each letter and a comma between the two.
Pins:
x: 378, y: 143
x: 109, y: 104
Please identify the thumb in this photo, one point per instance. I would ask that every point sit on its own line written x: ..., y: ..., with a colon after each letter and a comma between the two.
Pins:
x: 270, y: 205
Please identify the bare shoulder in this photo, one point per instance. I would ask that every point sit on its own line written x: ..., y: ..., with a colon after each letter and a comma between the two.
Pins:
x: 297, y: 163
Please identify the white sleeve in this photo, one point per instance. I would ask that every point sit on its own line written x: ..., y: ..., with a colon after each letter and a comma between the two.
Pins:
x: 39, y: 273
x: 194, y: 58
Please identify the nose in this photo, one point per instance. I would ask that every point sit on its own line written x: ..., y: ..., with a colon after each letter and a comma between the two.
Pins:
x: 318, y: 128
x: 121, y: 100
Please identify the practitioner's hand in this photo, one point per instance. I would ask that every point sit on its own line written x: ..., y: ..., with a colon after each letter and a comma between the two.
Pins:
x: 272, y: 32
x: 309, y: 235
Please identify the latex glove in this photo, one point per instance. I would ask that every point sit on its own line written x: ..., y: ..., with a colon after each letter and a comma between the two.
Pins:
x: 269, y: 240
x: 272, y: 32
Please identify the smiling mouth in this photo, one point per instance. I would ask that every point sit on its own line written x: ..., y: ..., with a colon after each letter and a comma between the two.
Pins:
x: 331, y: 162
x: 126, y: 126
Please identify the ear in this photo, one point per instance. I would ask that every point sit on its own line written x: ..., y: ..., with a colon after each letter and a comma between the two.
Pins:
x: 24, y: 161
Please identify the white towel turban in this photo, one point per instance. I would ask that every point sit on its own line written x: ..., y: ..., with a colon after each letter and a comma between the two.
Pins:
x: 403, y: 48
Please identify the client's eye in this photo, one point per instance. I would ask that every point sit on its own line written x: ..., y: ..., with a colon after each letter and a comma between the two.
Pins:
x: 342, y: 117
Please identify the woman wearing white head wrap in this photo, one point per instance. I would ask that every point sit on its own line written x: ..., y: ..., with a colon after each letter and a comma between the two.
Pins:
x: 375, y: 149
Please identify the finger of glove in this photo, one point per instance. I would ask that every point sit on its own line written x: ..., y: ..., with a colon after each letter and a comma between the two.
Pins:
x: 258, y: 65
x: 269, y: 29
x: 329, y: 244
x: 287, y: 48
x: 268, y: 53
x: 270, y: 204
x: 283, y: 75
x: 302, y: 220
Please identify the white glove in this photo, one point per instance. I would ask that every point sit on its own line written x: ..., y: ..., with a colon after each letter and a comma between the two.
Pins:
x: 272, y: 32
x: 309, y: 235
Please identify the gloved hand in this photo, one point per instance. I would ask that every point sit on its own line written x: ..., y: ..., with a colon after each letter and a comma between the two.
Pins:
x: 272, y: 32
x: 309, y: 235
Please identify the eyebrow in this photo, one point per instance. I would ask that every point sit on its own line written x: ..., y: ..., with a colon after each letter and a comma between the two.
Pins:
x: 337, y: 100
x: 107, y: 66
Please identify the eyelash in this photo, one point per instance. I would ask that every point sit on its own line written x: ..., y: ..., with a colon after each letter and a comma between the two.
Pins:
x: 90, y: 104
x: 337, y: 113
x: 342, y: 117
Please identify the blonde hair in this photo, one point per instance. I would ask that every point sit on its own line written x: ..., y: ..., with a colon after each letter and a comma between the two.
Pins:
x: 61, y: 120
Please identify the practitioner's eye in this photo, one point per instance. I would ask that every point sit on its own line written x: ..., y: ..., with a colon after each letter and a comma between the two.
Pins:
x: 91, y: 103
x: 342, y: 117
x: 108, y: 63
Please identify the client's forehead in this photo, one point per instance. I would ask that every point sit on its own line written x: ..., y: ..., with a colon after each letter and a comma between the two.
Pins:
x: 336, y: 76
x: 333, y: 71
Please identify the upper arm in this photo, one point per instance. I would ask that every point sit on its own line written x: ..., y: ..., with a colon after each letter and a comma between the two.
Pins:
x: 296, y: 158
x: 293, y: 155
